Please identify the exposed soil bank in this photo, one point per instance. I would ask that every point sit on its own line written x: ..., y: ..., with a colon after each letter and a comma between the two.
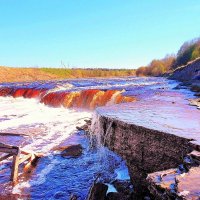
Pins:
x: 189, y: 75
x: 151, y: 135
x: 189, y: 72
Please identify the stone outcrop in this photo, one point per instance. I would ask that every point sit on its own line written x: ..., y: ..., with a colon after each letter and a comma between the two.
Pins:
x: 189, y: 75
x: 144, y: 150
x: 189, y: 72
x: 148, y: 135
x: 169, y: 184
x: 70, y: 151
x: 180, y: 183
x: 98, y: 192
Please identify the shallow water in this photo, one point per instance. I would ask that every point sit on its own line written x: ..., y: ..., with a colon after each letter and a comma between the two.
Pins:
x: 45, y: 127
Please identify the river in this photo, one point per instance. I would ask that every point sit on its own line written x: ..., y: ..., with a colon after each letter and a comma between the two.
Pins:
x: 48, y: 114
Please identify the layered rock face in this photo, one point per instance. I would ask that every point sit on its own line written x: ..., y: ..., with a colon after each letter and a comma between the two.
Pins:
x: 169, y: 184
x: 144, y: 150
x: 151, y: 135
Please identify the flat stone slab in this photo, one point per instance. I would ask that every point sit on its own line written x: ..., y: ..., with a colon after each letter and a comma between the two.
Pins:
x: 170, y: 184
x: 168, y: 112
x: 189, y: 184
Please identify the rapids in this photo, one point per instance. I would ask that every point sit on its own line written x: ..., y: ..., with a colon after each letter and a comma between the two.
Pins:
x: 48, y: 113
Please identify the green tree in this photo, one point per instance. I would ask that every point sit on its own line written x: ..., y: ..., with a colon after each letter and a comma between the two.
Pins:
x: 189, y: 51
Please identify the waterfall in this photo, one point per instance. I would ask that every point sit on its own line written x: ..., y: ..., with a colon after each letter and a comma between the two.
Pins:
x: 87, y: 99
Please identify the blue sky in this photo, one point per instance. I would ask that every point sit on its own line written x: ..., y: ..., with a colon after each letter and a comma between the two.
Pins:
x: 94, y: 33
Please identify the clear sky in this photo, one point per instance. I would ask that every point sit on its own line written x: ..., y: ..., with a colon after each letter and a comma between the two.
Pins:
x: 94, y: 33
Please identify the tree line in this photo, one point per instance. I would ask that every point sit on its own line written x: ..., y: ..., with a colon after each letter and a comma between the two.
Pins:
x: 189, y: 51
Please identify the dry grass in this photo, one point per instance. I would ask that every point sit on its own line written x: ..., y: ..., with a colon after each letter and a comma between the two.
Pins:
x: 8, y: 74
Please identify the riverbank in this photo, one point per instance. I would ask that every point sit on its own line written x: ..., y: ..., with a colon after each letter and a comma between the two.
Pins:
x: 189, y: 76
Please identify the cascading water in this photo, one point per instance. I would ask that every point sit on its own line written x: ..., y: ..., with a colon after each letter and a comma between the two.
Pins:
x: 46, y: 128
x: 89, y: 99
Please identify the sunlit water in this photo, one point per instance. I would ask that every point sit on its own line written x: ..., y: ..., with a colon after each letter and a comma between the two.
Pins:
x: 56, y: 177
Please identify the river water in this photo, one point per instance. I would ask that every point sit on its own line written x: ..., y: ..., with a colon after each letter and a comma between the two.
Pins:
x: 48, y: 113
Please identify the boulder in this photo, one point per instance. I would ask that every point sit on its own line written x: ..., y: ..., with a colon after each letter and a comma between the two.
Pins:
x: 74, y: 150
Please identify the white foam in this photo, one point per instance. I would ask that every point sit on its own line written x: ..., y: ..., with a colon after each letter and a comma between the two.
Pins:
x: 52, y: 126
x: 61, y: 87
x: 112, y: 100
